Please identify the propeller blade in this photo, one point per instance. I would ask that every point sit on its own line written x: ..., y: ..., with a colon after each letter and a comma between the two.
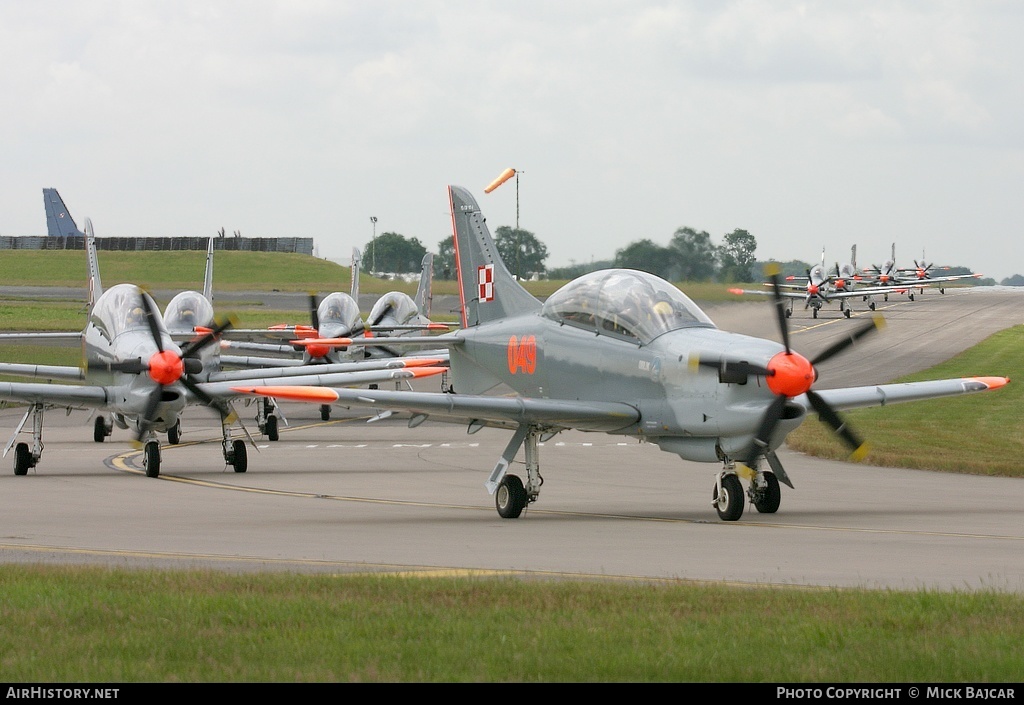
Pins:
x: 314, y: 318
x: 134, y: 366
x: 154, y: 328
x: 874, y: 324
x: 738, y: 367
x: 199, y: 393
x: 764, y: 432
x: 780, y: 305
x: 829, y: 416
x: 194, y: 346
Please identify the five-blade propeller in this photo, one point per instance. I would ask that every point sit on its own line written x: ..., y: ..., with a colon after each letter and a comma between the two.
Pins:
x: 165, y: 367
x: 789, y: 374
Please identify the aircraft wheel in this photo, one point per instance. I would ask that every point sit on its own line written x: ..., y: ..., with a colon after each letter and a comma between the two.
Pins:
x: 911, y: 297
x: 767, y: 501
x: 872, y: 305
x: 22, y: 459
x: 152, y: 459
x: 174, y: 433
x: 99, y: 430
x: 238, y: 457
x: 271, y: 428
x: 325, y: 412
x: 788, y: 313
x: 510, y: 499
x: 815, y: 314
x: 730, y: 504
x: 846, y: 313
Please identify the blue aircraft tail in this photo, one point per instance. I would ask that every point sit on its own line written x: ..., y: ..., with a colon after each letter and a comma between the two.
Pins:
x: 59, y: 222
x: 487, y: 289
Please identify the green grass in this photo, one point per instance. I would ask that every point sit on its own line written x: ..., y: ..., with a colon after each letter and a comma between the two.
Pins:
x: 117, y: 626
x: 978, y: 434
x: 238, y: 271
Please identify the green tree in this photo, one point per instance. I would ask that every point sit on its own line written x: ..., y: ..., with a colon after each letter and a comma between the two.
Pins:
x: 391, y: 252
x: 645, y: 256
x: 736, y: 256
x: 444, y: 263
x: 693, y: 256
x: 521, y: 251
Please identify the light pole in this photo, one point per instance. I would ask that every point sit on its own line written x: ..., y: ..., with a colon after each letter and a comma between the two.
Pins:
x: 373, y: 245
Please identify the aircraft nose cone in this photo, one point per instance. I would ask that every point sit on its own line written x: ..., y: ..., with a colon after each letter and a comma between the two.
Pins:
x: 165, y: 367
x: 792, y: 375
x: 812, y: 289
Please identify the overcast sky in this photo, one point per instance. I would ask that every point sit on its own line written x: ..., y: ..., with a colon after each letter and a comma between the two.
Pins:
x: 810, y: 124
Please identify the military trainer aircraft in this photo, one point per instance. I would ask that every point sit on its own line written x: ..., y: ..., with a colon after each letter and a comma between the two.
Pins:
x: 134, y: 372
x: 623, y: 352
x: 821, y: 287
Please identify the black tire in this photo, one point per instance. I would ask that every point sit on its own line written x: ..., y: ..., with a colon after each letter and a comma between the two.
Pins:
x: 510, y: 499
x: 911, y: 297
x: 769, y: 499
x: 730, y: 505
x: 846, y: 313
x: 815, y: 313
x: 22, y: 459
x: 99, y: 430
x: 238, y: 457
x: 788, y: 313
x: 271, y: 428
x: 174, y: 433
x: 872, y: 305
x: 325, y: 412
x: 152, y: 459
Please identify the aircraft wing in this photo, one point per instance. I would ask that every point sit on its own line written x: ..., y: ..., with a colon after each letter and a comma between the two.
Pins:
x: 44, y: 371
x: 913, y: 280
x: 32, y: 337
x: 286, y: 379
x: 472, y: 408
x: 380, y: 368
x: 882, y: 394
x: 69, y: 395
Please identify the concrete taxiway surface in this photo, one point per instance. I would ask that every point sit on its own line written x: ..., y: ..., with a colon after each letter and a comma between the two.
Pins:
x: 349, y: 496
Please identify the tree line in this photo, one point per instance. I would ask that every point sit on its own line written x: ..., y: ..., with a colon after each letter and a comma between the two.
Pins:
x: 689, y: 256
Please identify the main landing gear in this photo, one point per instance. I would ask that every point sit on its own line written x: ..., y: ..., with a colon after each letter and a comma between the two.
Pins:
x: 27, y: 456
x: 511, y: 495
x: 234, y: 450
x: 764, y: 491
x: 267, y: 414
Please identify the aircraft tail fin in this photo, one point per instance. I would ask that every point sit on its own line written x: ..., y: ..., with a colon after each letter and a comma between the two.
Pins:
x: 95, y: 285
x: 59, y: 222
x: 487, y: 290
x: 356, y: 261
x: 423, y: 293
x: 208, y: 278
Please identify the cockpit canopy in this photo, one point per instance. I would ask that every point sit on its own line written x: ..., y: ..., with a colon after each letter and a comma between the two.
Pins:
x: 188, y: 310
x: 339, y: 311
x: 396, y: 304
x: 120, y: 308
x: 626, y: 303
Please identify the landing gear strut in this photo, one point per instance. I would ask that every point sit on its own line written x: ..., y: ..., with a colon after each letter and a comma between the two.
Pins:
x: 26, y: 456
x: 511, y: 495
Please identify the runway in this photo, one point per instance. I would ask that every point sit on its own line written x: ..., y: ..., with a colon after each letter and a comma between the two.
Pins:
x: 348, y: 496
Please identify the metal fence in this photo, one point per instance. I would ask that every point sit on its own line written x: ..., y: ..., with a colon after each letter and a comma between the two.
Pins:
x: 300, y: 245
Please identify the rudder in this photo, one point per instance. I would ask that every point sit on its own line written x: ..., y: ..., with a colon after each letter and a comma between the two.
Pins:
x: 487, y: 290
